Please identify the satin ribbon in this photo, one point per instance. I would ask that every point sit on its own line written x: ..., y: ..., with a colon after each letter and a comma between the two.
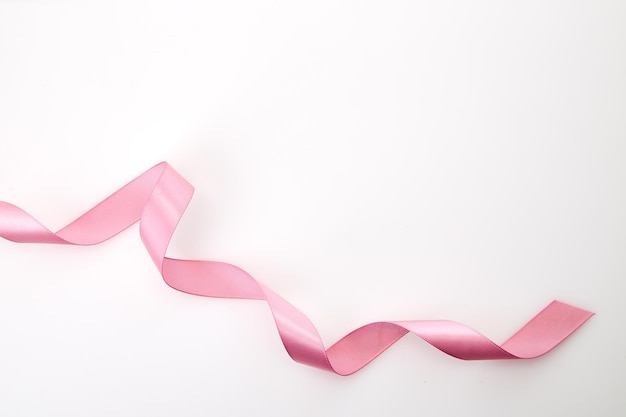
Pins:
x: 158, y: 199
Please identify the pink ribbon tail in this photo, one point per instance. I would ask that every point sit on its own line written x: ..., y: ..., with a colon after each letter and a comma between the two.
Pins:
x: 158, y: 199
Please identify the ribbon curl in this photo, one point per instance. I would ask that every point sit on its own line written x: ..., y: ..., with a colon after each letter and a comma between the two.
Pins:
x: 158, y: 199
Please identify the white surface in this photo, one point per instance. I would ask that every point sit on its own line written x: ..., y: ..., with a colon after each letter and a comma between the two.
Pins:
x: 366, y: 160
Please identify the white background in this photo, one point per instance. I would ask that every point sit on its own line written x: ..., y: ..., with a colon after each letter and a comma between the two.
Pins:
x: 366, y: 160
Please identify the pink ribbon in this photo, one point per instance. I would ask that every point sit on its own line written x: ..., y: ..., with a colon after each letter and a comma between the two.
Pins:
x: 158, y: 199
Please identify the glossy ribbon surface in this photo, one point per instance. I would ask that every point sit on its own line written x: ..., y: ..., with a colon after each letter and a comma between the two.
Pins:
x: 158, y: 199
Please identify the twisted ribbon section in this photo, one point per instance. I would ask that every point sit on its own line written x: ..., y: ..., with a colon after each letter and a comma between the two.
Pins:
x: 158, y: 199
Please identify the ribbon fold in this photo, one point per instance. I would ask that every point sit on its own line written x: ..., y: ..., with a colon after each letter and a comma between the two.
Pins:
x: 158, y: 199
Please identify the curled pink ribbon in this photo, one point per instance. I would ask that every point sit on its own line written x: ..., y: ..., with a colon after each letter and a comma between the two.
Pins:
x: 158, y: 199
